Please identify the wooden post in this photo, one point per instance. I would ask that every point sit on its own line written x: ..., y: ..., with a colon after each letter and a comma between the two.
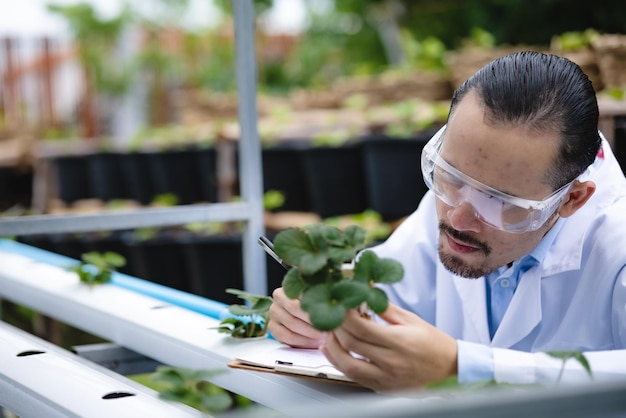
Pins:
x: 11, y: 92
x: 90, y: 126
x: 47, y: 102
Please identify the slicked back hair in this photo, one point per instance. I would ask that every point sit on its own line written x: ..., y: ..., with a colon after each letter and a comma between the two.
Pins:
x: 544, y: 93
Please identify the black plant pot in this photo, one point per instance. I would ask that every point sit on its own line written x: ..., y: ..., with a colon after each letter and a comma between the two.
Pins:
x: 334, y: 177
x: 283, y: 171
x: 393, y: 175
x: 159, y: 260
x: 73, y: 178
x: 215, y: 263
x: 176, y: 172
x: 206, y: 161
x: 16, y: 187
x: 137, y: 176
x: 106, y: 176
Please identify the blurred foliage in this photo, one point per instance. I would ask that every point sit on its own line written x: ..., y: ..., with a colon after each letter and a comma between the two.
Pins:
x: 510, y: 21
x: 96, y: 40
x: 572, y: 41
x: 347, y: 37
x: 191, y: 387
x: 376, y: 229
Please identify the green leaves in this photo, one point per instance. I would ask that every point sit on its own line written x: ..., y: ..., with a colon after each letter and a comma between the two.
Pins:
x: 97, y: 268
x: 317, y: 254
x: 293, y: 284
x: 250, y: 320
x: 370, y: 268
x: 566, y: 355
x: 191, y: 388
x: 104, y: 260
x: 296, y: 247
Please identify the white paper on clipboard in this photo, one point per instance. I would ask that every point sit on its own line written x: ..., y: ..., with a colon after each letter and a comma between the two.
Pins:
x: 306, y: 362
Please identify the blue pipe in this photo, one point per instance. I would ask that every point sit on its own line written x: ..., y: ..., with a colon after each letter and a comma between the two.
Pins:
x: 209, y: 307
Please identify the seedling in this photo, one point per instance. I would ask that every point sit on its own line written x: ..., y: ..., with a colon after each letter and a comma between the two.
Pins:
x: 190, y: 387
x: 565, y: 356
x: 318, y: 254
x: 248, y: 321
x: 97, y: 268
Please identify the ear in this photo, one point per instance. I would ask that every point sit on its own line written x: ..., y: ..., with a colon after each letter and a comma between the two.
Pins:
x: 577, y: 197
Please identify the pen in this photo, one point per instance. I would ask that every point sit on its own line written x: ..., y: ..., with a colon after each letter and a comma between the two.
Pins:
x: 268, y: 246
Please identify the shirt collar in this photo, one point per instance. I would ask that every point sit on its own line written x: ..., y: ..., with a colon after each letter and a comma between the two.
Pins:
x: 536, y: 256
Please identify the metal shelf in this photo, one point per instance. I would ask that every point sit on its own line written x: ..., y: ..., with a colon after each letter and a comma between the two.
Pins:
x: 249, y: 210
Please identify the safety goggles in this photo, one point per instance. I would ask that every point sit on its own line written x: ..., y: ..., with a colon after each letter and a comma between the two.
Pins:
x: 493, y: 207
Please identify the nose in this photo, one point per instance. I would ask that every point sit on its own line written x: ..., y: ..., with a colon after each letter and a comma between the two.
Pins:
x: 464, y: 217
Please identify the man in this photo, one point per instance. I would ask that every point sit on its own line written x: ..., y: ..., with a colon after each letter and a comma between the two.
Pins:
x: 518, y: 248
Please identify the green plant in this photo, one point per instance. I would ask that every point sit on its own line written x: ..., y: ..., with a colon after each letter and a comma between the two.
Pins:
x: 273, y: 199
x: 318, y: 253
x: 248, y: 321
x: 190, y: 387
x: 370, y: 220
x: 565, y: 356
x: 333, y: 137
x: 96, y: 42
x: 573, y: 40
x: 97, y: 268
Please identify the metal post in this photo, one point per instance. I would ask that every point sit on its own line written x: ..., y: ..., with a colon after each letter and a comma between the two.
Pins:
x: 251, y: 174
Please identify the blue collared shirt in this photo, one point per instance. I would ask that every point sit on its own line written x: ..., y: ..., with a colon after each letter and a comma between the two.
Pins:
x: 475, y: 361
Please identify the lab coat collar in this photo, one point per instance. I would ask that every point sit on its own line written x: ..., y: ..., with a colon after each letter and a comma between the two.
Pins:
x: 524, y: 310
x: 474, y: 308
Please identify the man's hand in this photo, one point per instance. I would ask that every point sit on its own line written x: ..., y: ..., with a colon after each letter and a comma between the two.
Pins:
x: 406, y: 353
x: 290, y: 325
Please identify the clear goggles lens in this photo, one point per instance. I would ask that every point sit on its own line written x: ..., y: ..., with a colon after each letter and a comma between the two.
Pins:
x: 491, y: 206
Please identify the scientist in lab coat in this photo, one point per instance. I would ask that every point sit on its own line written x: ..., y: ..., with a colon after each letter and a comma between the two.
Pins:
x: 518, y: 248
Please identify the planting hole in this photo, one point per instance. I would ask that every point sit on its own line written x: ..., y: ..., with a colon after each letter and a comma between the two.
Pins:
x: 30, y: 353
x: 115, y: 395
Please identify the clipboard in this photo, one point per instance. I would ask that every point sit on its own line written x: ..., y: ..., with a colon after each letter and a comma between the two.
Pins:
x: 299, y: 362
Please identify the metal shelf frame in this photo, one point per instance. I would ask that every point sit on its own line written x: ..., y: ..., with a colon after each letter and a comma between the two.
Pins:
x: 249, y: 210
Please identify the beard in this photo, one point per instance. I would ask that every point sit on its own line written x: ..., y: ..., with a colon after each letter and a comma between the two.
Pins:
x: 461, y: 268
x: 456, y: 264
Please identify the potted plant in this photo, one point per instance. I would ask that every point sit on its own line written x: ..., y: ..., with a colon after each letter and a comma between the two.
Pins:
x: 248, y: 321
x: 334, y: 176
x: 283, y: 171
x: 320, y: 277
x: 213, y: 257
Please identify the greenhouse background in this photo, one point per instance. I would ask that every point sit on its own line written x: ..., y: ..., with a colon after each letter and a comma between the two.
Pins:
x: 138, y: 107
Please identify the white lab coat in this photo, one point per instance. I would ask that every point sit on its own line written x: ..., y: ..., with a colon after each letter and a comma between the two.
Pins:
x: 574, y: 300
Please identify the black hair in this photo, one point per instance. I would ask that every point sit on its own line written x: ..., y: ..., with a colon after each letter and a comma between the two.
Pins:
x: 545, y: 93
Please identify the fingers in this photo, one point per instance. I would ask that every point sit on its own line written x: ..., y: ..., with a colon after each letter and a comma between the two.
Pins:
x: 397, y: 316
x: 404, y: 354
x: 357, y: 369
x: 290, y: 325
x: 365, y: 337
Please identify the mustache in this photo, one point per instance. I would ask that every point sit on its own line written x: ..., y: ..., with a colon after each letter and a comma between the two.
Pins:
x: 460, y: 236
